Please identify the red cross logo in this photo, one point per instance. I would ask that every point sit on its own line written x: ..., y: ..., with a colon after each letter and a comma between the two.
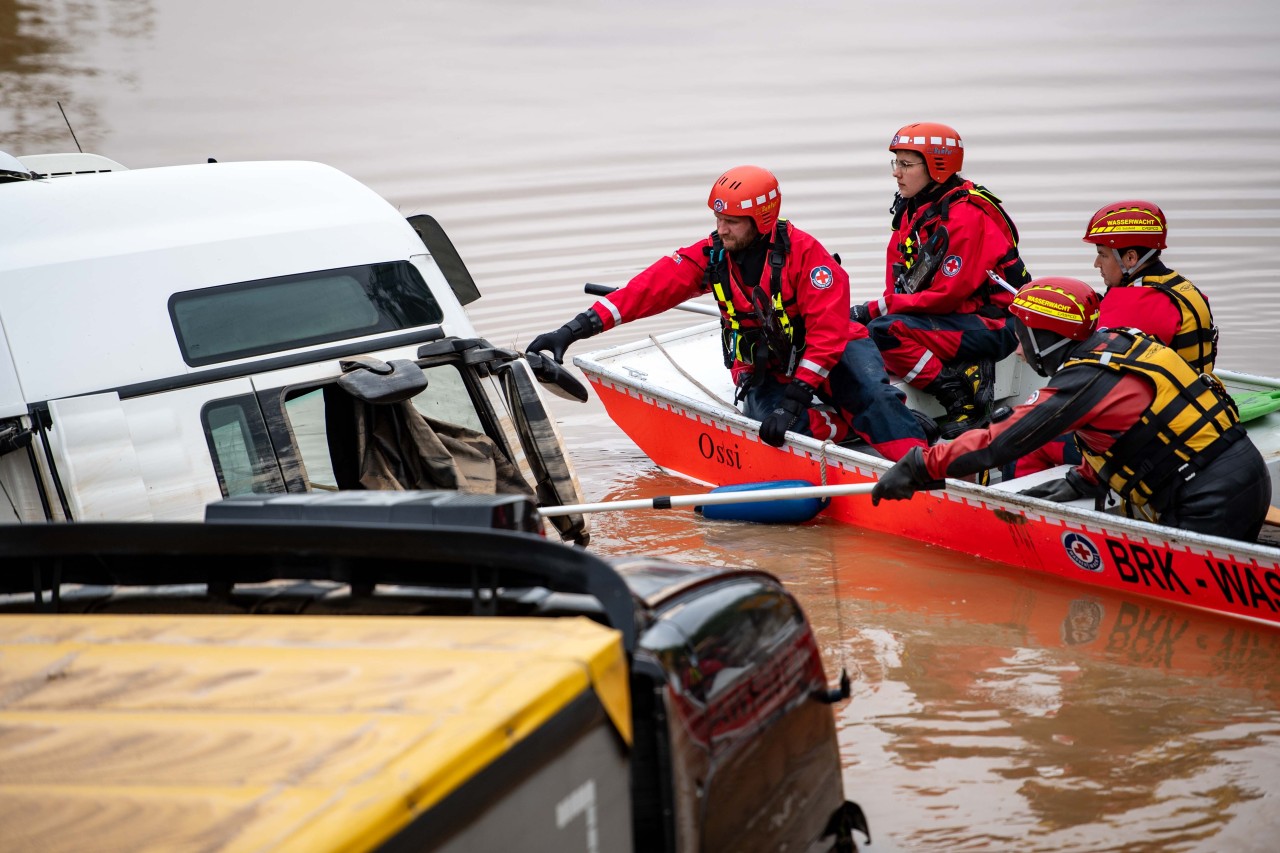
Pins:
x: 821, y: 277
x: 1082, y: 552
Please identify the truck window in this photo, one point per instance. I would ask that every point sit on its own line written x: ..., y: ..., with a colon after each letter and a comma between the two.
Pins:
x: 240, y: 447
x: 216, y: 324
x: 306, y: 419
x: 307, y: 411
x: 447, y: 398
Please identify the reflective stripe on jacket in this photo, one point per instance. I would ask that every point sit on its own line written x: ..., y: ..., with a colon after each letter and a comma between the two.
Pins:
x: 814, y: 292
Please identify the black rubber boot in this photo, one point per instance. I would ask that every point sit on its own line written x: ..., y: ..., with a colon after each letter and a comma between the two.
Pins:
x: 958, y: 388
x: 984, y: 390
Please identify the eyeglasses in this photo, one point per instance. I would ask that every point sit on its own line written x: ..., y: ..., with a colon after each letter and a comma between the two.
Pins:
x: 895, y: 165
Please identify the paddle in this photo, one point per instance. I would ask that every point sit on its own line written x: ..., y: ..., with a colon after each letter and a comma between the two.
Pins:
x: 692, y: 307
x: 714, y: 498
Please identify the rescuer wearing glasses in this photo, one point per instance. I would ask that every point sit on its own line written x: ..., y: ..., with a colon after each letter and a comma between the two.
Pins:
x: 952, y: 269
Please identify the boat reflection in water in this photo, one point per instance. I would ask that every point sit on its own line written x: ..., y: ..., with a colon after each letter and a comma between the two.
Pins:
x: 992, y: 707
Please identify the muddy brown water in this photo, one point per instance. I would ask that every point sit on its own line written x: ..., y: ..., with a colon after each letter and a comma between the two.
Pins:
x: 575, y: 140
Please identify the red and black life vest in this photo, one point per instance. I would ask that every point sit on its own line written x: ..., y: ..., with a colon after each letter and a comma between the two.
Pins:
x: 930, y: 218
x: 767, y: 337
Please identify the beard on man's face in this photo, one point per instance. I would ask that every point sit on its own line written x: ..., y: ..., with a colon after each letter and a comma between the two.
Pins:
x: 737, y: 242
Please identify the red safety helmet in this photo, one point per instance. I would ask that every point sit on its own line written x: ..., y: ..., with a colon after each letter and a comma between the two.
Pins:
x: 1064, y: 306
x: 1128, y: 223
x: 939, y: 145
x: 1050, y: 313
x: 747, y: 191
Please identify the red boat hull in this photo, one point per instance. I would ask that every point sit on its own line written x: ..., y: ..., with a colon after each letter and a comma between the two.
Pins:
x: 707, y: 450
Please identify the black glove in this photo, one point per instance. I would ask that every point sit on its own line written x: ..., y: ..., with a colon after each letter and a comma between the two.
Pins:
x: 585, y: 325
x: 796, y: 399
x: 745, y: 382
x: 907, y: 476
x: 928, y: 426
x: 860, y: 313
x: 1067, y: 489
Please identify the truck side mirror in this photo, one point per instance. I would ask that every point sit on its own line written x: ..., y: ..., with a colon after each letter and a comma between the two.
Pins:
x: 555, y: 378
x: 376, y: 381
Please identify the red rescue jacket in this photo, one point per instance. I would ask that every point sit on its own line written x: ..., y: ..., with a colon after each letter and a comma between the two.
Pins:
x: 980, y: 237
x: 815, y: 295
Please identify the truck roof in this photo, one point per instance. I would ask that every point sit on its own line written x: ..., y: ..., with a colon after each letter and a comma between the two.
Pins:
x: 138, y: 212
x: 89, y: 261
x: 247, y: 733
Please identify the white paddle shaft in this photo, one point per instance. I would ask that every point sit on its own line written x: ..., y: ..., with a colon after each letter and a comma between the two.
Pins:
x: 709, y: 498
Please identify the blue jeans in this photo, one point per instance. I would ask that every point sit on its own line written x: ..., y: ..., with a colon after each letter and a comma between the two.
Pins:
x: 859, y: 388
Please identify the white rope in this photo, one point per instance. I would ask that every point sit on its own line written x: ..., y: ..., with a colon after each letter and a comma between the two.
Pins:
x: 687, y: 375
x: 822, y: 460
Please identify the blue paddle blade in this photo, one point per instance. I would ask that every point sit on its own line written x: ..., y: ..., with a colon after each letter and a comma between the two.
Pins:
x: 792, y: 511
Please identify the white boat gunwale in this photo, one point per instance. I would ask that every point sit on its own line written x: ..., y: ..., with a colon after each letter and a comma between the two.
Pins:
x: 634, y: 369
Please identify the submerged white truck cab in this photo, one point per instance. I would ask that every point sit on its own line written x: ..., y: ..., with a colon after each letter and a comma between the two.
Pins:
x: 173, y: 336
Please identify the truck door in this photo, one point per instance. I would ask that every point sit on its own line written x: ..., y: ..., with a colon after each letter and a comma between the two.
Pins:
x: 486, y: 429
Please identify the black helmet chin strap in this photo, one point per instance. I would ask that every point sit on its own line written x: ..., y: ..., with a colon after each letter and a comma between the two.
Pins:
x: 1041, y: 353
x: 1036, y: 356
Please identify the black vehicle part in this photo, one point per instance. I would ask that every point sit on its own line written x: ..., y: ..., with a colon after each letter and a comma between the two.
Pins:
x: 376, y: 381
x: 742, y: 667
x: 555, y: 378
x: 35, y: 558
x: 452, y: 509
x: 554, y: 481
x: 838, y: 694
x: 653, y: 797
x: 542, y: 448
x: 844, y: 821
x: 446, y: 257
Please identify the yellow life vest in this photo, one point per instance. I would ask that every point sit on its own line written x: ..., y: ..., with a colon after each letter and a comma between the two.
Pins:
x: 1190, y: 422
x: 1197, y: 338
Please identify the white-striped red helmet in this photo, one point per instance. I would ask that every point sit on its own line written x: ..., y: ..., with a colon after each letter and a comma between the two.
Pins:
x: 747, y: 191
x: 939, y: 145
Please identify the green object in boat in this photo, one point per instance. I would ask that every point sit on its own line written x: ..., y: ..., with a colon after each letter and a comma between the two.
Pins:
x: 1255, y: 404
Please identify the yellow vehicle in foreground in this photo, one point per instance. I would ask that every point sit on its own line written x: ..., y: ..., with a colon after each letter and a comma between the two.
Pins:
x: 387, y: 671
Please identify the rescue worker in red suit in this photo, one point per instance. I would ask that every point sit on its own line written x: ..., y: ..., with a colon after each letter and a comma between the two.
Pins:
x: 952, y: 269
x: 1143, y: 294
x: 785, y: 328
x: 1162, y: 436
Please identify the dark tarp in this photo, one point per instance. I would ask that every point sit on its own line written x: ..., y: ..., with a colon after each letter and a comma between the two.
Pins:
x: 399, y: 448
